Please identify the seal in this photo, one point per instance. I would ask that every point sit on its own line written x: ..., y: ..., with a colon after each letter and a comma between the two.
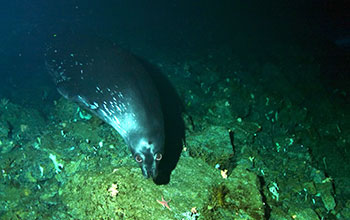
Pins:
x: 115, y: 86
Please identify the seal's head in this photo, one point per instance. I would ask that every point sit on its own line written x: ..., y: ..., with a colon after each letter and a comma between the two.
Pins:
x: 147, y: 153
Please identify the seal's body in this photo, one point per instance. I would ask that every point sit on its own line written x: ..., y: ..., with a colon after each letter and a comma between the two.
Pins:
x: 114, y: 85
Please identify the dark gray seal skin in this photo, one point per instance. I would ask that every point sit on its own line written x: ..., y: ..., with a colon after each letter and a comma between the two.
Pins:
x: 111, y: 83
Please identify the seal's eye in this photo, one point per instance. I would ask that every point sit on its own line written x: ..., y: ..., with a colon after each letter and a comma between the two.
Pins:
x: 159, y: 156
x: 138, y: 159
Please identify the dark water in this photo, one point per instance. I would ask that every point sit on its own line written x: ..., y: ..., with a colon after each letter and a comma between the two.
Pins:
x: 276, y: 74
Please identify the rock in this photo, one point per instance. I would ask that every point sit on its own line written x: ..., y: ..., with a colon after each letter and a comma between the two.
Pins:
x: 211, y: 145
x: 310, y: 187
x: 278, y: 214
x: 237, y: 198
x: 86, y: 193
x: 303, y: 214
x: 326, y: 191
x: 328, y: 200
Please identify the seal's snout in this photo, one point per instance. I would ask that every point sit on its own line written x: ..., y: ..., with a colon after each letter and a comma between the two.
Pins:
x: 147, y: 159
x: 147, y: 173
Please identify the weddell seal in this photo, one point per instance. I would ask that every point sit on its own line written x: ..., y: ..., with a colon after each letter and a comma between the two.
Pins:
x: 115, y: 86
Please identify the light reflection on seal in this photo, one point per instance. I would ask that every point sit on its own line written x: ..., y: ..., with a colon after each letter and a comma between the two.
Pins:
x: 114, y: 85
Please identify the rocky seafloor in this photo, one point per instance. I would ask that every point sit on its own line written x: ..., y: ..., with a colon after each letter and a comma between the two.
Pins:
x: 255, y: 149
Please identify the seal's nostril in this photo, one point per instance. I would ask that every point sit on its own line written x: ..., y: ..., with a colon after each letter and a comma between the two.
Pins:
x: 146, y: 175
